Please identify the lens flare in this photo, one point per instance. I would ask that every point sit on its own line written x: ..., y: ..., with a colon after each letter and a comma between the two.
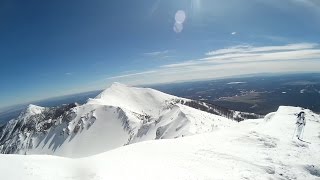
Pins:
x: 178, y: 27
x: 180, y: 16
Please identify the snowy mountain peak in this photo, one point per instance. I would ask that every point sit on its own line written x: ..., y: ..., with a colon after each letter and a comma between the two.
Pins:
x: 118, y: 89
x: 134, y: 99
x: 33, y: 110
x: 118, y: 85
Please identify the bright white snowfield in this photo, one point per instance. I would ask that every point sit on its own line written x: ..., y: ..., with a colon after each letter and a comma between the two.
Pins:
x: 208, y: 147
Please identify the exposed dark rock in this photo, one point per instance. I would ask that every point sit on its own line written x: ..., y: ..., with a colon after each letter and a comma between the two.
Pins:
x: 24, y: 126
x: 221, y: 111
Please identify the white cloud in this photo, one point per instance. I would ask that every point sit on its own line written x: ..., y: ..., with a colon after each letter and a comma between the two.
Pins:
x: 233, y: 33
x: 130, y: 75
x: 252, y: 49
x: 272, y: 56
x: 189, y: 73
x: 236, y: 60
x: 186, y: 63
x: 157, y: 53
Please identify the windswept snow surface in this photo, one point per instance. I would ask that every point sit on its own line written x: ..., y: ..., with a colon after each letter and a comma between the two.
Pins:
x: 253, y: 149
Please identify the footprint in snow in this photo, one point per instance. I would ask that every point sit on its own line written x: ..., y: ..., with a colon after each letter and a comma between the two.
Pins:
x: 264, y: 140
x: 299, y: 144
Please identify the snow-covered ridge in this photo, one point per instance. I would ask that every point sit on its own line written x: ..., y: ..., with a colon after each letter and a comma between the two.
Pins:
x: 119, y: 116
x: 138, y: 100
x: 255, y: 149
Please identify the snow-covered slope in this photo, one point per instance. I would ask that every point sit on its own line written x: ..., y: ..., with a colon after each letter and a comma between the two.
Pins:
x: 119, y: 116
x: 253, y: 149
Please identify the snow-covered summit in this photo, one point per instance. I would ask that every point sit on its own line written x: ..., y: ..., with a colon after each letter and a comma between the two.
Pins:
x: 139, y: 100
x: 34, y: 109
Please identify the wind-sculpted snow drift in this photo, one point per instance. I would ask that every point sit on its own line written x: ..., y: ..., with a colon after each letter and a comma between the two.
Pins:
x: 119, y: 116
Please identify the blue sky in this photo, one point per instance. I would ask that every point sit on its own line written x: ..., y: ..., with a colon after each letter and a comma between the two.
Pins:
x: 62, y: 47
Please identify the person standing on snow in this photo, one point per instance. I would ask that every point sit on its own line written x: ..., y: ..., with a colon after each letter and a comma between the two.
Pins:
x: 301, y: 122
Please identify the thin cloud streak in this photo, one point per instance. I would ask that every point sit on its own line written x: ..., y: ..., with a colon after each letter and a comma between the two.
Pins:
x: 252, y: 49
x: 156, y: 53
x: 186, y: 63
x: 130, y: 75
